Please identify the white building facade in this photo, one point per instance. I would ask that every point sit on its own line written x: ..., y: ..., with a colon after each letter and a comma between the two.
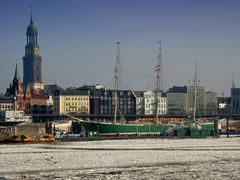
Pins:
x: 15, y: 116
x: 139, y: 102
x: 150, y: 103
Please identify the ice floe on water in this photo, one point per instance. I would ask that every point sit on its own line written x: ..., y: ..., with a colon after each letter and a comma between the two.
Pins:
x: 210, y: 158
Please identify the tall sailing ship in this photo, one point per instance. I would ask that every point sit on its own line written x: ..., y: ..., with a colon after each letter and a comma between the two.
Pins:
x: 124, y: 129
x: 115, y: 128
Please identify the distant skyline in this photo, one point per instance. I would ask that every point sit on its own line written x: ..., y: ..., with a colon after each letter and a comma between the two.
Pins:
x: 78, y: 38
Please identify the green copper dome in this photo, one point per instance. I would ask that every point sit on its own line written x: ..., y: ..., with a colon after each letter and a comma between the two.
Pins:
x: 32, y: 28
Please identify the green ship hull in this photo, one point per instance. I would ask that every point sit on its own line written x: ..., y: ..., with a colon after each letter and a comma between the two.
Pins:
x: 107, y: 129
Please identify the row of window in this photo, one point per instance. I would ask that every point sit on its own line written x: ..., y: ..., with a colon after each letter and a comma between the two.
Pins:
x: 76, y: 99
x: 112, y: 103
x: 111, y: 112
x: 159, y: 112
x: 121, y: 93
x: 176, y: 95
x: 107, y: 98
x: 159, y: 106
x: 78, y: 110
x: 76, y: 104
x: 6, y: 106
x: 152, y: 100
x: 177, y: 100
x: 121, y: 107
x: 176, y: 105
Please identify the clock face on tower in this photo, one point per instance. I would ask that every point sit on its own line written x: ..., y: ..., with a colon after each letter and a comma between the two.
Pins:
x: 36, y: 51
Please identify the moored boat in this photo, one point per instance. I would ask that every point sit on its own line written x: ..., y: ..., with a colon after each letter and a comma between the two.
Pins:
x: 30, y: 138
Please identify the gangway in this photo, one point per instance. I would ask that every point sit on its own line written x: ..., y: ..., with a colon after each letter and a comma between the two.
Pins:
x: 171, y: 130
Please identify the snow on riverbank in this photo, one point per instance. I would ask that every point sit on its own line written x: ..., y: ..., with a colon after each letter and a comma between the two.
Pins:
x: 210, y: 158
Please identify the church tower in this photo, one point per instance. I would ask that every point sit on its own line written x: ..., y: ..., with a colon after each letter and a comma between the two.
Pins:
x: 32, y: 61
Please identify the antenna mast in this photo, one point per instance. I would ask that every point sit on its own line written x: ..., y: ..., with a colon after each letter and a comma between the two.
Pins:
x: 195, y: 94
x: 116, y: 78
x: 157, y: 69
x: 234, y: 105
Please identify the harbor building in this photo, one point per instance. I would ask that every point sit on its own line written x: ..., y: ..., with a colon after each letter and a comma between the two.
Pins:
x: 180, y: 101
x: 71, y: 102
x: 177, y: 100
x: 18, y: 93
x: 210, y: 103
x: 41, y: 104
x: 150, y: 102
x: 20, y: 96
x: 103, y: 102
x: 235, y: 100
x: 200, y: 99
x: 139, y: 102
x: 95, y: 92
x: 126, y: 102
x: 6, y: 104
x: 15, y: 116
x: 224, y: 105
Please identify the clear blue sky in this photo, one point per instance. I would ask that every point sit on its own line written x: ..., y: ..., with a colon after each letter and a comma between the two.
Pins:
x: 78, y: 38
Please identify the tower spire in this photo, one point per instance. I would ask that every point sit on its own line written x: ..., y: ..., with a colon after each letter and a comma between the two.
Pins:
x: 233, y: 82
x: 32, y: 67
x: 31, y: 20
x: 16, y: 74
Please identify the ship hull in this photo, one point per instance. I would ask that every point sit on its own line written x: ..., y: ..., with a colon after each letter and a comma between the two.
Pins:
x: 107, y: 129
x: 92, y: 129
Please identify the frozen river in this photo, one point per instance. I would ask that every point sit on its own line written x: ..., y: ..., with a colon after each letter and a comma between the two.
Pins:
x: 213, y: 158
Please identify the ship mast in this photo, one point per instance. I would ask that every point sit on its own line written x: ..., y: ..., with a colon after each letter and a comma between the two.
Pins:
x: 157, y: 69
x: 195, y: 94
x: 116, y: 78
